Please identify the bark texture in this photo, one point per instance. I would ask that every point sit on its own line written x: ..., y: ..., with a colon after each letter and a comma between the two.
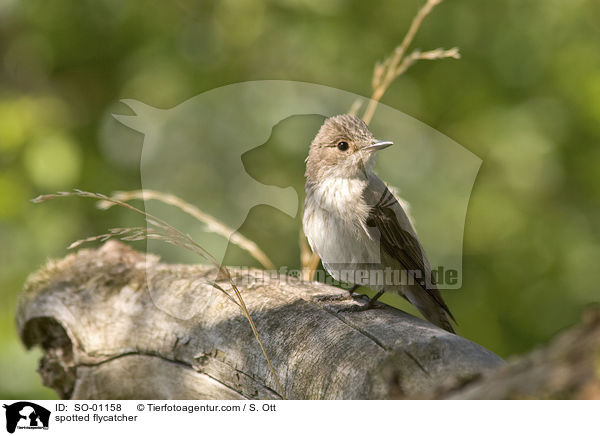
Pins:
x: 567, y: 368
x: 117, y: 324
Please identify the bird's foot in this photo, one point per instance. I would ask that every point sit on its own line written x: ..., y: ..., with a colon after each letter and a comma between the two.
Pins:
x: 334, y: 297
x: 368, y: 306
x: 353, y: 289
x: 360, y: 307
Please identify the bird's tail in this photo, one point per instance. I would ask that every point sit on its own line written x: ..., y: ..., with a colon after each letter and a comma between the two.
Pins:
x: 431, y: 304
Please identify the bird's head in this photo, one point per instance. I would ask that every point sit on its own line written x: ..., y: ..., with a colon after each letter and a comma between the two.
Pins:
x: 343, y: 147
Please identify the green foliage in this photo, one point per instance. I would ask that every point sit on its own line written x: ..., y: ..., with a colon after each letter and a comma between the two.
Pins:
x: 525, y: 97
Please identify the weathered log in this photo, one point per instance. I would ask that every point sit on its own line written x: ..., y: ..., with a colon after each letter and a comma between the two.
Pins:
x: 103, y: 318
x: 567, y: 368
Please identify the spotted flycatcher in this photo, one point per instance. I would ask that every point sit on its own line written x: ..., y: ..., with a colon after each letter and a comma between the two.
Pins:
x: 358, y: 227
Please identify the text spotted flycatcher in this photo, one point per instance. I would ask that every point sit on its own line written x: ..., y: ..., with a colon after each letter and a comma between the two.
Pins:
x: 358, y: 227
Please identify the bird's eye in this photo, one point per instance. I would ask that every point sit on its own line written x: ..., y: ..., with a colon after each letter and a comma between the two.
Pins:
x: 342, y: 146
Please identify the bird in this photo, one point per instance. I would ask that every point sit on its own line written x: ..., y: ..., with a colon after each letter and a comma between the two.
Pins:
x: 358, y: 227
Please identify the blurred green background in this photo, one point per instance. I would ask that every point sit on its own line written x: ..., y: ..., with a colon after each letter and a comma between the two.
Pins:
x: 525, y: 97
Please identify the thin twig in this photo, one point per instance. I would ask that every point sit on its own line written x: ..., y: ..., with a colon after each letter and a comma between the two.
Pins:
x: 416, y: 55
x: 355, y: 106
x: 160, y: 229
x: 212, y: 224
x: 383, y: 75
x: 393, y: 66
x: 308, y: 259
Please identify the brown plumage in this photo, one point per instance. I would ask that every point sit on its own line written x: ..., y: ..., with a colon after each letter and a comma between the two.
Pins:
x: 357, y: 225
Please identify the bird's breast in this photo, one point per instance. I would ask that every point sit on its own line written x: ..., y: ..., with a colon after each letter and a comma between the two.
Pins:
x: 334, y: 222
x: 340, y: 196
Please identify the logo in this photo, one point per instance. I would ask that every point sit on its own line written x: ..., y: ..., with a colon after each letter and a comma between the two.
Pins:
x: 216, y: 145
x: 26, y: 415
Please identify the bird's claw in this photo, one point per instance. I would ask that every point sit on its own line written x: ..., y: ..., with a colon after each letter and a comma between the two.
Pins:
x: 359, y: 308
x: 353, y: 289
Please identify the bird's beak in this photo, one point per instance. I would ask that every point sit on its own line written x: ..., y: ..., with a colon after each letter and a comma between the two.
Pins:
x: 376, y: 146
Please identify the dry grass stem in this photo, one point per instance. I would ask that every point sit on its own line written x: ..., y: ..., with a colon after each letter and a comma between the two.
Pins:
x: 356, y: 105
x: 308, y: 259
x: 161, y: 230
x: 211, y: 223
x: 416, y: 55
x: 397, y: 63
x: 383, y: 75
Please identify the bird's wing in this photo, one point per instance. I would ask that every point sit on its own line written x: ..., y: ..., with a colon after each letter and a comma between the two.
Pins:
x: 388, y: 222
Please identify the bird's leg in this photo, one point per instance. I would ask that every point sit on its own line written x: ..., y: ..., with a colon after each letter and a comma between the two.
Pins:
x: 369, y: 305
x: 353, y: 289
x: 372, y: 301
